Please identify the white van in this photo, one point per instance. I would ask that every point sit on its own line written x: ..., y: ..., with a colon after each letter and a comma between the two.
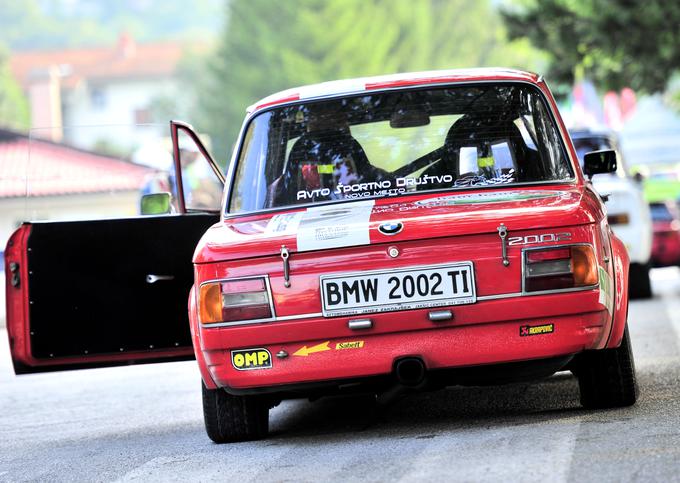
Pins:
x: 628, y: 212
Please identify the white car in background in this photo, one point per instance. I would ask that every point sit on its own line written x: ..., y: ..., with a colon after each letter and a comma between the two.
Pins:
x: 628, y: 212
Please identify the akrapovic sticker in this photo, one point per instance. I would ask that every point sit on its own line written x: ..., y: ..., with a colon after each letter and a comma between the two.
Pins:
x: 527, y: 330
x: 250, y: 359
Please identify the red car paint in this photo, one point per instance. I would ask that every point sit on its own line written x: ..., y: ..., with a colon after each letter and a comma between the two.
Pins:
x: 455, y: 234
x: 436, y: 229
x: 666, y: 239
x: 665, y: 244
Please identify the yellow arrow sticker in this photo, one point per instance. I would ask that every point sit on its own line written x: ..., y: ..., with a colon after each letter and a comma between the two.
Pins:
x: 305, y: 351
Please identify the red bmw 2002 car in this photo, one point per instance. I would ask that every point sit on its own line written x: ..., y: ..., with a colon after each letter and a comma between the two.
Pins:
x: 416, y: 230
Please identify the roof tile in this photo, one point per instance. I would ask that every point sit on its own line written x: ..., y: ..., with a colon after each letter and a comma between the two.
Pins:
x: 41, y: 168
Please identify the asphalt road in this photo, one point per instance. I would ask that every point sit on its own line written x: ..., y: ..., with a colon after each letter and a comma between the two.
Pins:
x: 144, y: 423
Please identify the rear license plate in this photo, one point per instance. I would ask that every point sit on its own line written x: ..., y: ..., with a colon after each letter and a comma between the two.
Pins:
x: 398, y: 289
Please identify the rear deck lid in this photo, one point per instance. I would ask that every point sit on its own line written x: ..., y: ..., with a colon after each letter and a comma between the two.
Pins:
x: 411, y: 218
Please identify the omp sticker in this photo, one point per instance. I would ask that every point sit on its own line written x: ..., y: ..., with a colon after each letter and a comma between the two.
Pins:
x: 356, y: 344
x: 526, y: 330
x: 490, y: 197
x: 334, y: 226
x: 606, y: 296
x: 249, y: 359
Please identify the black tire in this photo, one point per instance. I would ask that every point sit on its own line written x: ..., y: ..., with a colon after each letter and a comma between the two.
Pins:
x: 606, y: 377
x: 639, y: 284
x: 231, y: 418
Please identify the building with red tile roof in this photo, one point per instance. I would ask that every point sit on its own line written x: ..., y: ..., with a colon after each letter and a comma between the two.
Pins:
x: 44, y: 180
x: 126, y: 60
x: 98, y: 86
x: 34, y: 167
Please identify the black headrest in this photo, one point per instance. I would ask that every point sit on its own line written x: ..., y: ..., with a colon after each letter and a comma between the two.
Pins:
x: 477, y: 129
x: 321, y: 146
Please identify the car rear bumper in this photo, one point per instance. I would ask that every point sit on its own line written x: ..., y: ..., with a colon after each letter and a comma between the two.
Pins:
x: 319, y: 349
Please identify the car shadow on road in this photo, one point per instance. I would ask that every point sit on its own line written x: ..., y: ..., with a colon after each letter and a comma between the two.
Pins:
x: 426, y: 413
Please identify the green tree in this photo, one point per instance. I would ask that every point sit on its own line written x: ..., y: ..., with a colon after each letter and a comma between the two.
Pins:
x: 14, y: 111
x: 36, y: 24
x: 268, y: 46
x: 616, y: 43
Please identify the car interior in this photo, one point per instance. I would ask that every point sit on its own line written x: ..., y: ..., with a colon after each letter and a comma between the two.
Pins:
x: 499, y: 136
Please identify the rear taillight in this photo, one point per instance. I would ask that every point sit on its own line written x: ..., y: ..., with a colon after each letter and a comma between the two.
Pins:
x: 234, y: 301
x: 618, y: 219
x: 559, y: 268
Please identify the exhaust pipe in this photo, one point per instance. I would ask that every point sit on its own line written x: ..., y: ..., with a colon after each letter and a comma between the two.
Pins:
x: 410, y: 375
x: 410, y: 371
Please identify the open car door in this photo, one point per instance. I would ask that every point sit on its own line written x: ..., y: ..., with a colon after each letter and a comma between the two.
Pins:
x: 104, y: 292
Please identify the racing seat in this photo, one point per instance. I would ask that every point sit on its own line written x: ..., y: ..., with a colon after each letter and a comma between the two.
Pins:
x: 322, y: 159
x: 480, y: 134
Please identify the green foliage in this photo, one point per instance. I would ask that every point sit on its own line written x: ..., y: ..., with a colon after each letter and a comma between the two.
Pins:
x: 34, y: 24
x: 269, y: 46
x: 14, y: 111
x: 616, y: 43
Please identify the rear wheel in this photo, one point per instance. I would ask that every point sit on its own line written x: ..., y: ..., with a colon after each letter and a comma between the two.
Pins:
x: 606, y: 377
x: 639, y: 285
x: 231, y: 418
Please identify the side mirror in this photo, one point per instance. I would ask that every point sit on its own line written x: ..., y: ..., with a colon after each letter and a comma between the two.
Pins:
x: 156, y: 204
x: 597, y: 162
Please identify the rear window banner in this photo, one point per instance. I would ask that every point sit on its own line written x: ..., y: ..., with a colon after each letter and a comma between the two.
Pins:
x: 387, y: 187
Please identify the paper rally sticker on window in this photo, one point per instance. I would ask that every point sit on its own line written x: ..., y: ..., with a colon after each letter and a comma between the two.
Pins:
x: 249, y: 359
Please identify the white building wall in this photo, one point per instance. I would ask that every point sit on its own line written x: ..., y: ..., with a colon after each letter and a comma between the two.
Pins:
x: 108, y: 109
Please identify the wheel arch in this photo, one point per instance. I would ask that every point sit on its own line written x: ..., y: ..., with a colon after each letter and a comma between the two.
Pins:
x: 620, y: 314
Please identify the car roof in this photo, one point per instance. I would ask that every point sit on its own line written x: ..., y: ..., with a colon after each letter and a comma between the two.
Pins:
x: 363, y: 84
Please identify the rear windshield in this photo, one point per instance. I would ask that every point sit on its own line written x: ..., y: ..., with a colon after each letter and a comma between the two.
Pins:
x: 394, y: 143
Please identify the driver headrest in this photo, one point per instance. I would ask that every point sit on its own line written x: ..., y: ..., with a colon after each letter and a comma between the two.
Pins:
x: 469, y: 130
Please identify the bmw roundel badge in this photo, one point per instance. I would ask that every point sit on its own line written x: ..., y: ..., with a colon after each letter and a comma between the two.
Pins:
x: 391, y: 227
